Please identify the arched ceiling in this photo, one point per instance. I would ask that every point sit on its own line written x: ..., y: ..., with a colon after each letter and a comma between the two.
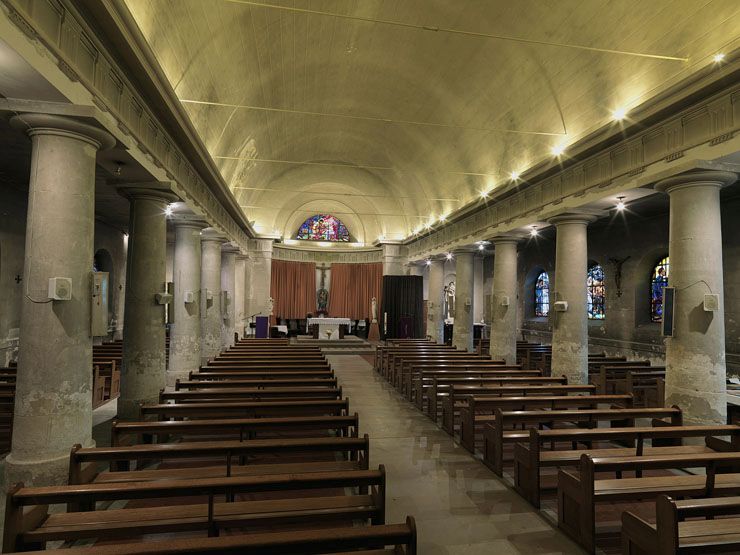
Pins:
x: 360, y: 106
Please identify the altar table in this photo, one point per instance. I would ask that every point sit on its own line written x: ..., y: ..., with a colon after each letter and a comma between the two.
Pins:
x: 329, y: 325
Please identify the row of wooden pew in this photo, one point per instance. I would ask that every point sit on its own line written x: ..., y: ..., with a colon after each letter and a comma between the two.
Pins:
x: 588, y: 444
x: 256, y: 453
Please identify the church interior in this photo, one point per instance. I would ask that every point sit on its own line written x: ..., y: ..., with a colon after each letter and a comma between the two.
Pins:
x: 370, y: 276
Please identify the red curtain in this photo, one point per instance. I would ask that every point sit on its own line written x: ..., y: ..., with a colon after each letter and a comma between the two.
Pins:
x: 352, y: 288
x: 293, y: 287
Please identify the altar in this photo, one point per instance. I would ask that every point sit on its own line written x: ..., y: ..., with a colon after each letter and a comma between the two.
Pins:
x: 329, y: 328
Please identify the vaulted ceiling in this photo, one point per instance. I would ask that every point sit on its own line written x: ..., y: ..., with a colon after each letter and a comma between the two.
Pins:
x: 393, y: 113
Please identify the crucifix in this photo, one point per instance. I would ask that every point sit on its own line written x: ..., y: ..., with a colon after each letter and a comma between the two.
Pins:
x: 18, y: 278
x: 322, y: 295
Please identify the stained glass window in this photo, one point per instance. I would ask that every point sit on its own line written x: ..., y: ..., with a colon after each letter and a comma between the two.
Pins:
x: 323, y: 227
x: 542, y: 295
x: 596, y: 293
x: 658, y: 281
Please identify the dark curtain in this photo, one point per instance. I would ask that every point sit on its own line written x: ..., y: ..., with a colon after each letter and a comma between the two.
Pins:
x: 403, y: 298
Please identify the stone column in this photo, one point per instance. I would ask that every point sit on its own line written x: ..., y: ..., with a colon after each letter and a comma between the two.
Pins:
x: 260, y: 254
x: 185, y: 336
x: 53, y: 398
x: 570, y: 328
x: 210, y: 283
x: 462, y: 330
x: 144, y: 367
x: 228, y: 291
x: 413, y: 269
x: 240, y: 290
x: 436, y: 304
x: 393, y: 260
x: 504, y: 300
x: 695, y: 355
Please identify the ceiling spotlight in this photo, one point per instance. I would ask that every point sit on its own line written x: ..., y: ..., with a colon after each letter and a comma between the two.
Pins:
x: 515, y: 175
x: 443, y: 218
x: 484, y: 194
x: 533, y: 231
x: 168, y: 210
x: 429, y: 262
x: 558, y: 150
x: 620, y: 203
x: 619, y: 114
x: 449, y: 256
x: 718, y: 57
x: 481, y: 247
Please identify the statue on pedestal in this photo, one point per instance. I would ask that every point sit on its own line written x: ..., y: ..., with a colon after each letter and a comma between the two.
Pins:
x: 270, y: 305
x: 374, y: 311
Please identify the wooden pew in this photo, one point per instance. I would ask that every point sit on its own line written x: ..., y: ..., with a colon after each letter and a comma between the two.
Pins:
x: 411, y: 369
x: 246, y: 409
x: 434, y: 386
x: 230, y: 428
x: 261, y: 374
x: 646, y: 386
x: 265, y: 368
x: 319, y: 381
x: 386, y: 539
x: 262, y: 363
x: 394, y: 370
x: 477, y: 411
x: 388, y: 355
x: 250, y: 393
x: 328, y: 453
x: 29, y: 524
x: 578, y: 493
x: 674, y: 534
x: 609, y: 378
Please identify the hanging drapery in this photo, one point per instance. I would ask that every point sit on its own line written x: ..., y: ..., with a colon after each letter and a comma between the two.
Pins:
x: 293, y: 288
x: 352, y: 288
x: 403, y: 301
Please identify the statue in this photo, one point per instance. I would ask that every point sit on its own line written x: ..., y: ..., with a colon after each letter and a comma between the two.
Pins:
x: 374, y: 304
x: 270, y: 305
x: 322, y: 299
x: 450, y: 299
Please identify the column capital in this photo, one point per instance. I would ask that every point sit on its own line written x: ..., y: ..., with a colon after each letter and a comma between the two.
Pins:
x: 463, y: 250
x: 705, y: 178
x: 505, y: 240
x: 182, y: 216
x: 583, y: 218
x: 45, y: 124
x: 242, y: 256
x: 152, y: 190
x: 211, y: 234
x: 230, y: 248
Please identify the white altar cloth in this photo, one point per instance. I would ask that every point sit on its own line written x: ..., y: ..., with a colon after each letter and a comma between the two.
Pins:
x: 330, y: 325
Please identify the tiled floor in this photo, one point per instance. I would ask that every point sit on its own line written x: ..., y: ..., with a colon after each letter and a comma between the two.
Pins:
x: 460, y: 506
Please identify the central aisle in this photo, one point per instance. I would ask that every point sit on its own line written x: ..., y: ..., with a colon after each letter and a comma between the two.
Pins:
x: 459, y: 505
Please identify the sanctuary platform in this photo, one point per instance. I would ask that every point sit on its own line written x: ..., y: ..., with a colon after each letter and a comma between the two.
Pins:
x: 349, y: 345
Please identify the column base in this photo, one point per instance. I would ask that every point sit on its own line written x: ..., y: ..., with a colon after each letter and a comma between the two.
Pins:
x: 129, y: 409
x: 174, y: 375
x: 44, y: 472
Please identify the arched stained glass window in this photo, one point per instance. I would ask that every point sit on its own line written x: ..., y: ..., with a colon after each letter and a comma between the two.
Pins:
x: 596, y: 293
x: 658, y: 281
x: 323, y: 227
x: 542, y: 295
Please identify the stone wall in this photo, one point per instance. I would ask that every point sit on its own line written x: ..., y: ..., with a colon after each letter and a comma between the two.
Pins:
x: 642, y: 241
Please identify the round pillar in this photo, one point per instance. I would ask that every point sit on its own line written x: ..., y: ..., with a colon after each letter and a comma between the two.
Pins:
x: 570, y: 327
x: 462, y: 329
x: 436, y: 304
x: 504, y: 303
x: 53, y: 398
x: 695, y: 355
x: 210, y: 281
x: 240, y: 294
x: 143, y: 371
x: 228, y: 290
x: 185, y: 330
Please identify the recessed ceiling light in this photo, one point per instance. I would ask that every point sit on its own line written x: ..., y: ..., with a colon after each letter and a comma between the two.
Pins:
x: 558, y: 150
x: 484, y: 194
x: 533, y: 231
x: 619, y: 114
x: 620, y: 203
x: 481, y: 247
x: 515, y: 175
x: 449, y: 256
x: 443, y: 218
x: 429, y: 262
x: 718, y: 57
x: 168, y: 210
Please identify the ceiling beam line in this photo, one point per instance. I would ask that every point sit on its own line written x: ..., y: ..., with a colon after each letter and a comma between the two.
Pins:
x: 352, y: 166
x: 462, y: 32
x: 282, y: 191
x: 334, y: 212
x: 388, y: 121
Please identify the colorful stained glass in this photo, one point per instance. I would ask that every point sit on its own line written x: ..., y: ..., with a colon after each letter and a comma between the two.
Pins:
x: 542, y: 295
x: 596, y: 291
x: 658, y: 281
x: 323, y: 227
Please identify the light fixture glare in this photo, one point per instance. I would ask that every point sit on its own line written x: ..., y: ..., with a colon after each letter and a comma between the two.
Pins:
x: 619, y: 114
x: 718, y: 57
